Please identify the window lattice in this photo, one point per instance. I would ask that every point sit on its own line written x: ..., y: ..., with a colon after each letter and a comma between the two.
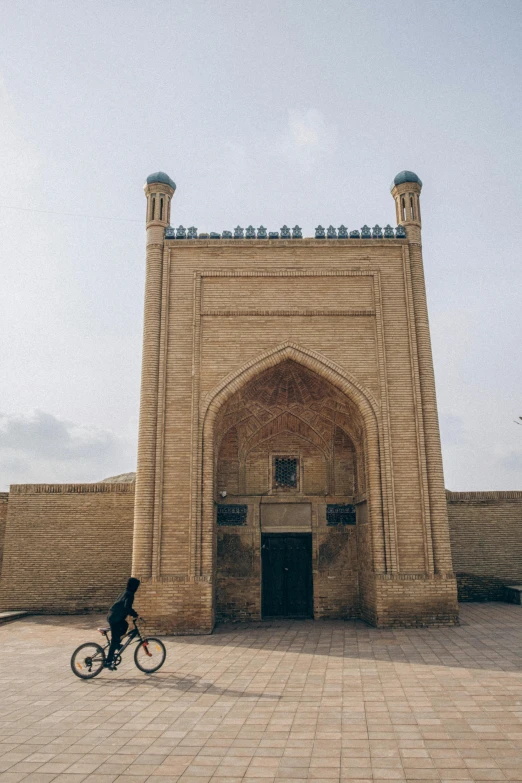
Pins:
x: 285, y: 471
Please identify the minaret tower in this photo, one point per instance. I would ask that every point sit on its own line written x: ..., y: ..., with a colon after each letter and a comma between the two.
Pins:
x: 159, y: 190
x: 406, y: 189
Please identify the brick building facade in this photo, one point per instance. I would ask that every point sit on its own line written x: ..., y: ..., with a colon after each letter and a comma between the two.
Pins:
x: 289, y: 455
x: 289, y: 459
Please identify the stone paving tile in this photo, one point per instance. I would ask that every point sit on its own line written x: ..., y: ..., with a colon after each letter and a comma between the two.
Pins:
x: 266, y: 703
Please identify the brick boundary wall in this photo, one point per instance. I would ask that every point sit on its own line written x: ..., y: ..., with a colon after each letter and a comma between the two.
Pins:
x: 4, y: 498
x: 486, y: 534
x: 67, y: 547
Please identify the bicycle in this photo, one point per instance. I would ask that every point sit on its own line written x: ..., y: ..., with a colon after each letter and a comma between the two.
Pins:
x: 88, y: 660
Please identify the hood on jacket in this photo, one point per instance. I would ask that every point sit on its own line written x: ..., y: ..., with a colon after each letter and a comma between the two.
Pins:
x: 133, y: 584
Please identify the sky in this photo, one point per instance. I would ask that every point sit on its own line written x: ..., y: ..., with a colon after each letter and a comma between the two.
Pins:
x: 281, y: 112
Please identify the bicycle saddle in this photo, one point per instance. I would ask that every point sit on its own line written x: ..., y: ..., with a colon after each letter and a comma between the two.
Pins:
x: 103, y: 630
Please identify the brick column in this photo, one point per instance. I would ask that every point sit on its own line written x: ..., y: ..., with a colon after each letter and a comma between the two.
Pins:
x: 437, y: 494
x: 159, y: 189
x: 144, y: 502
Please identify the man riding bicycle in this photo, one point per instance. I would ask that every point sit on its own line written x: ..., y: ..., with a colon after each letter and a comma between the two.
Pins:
x: 118, y: 613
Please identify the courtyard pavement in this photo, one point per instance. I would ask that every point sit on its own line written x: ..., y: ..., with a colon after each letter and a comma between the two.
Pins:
x: 281, y: 701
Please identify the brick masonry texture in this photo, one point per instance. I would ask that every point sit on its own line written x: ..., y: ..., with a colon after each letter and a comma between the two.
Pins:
x: 67, y: 546
x: 486, y: 534
x: 317, y: 351
x: 4, y: 497
x: 254, y: 348
x: 81, y: 537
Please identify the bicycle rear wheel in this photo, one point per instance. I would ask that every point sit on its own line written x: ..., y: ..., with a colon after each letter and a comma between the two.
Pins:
x: 87, y: 660
x: 150, y: 655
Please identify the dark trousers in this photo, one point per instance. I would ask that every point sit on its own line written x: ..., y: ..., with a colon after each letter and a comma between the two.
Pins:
x: 118, y: 630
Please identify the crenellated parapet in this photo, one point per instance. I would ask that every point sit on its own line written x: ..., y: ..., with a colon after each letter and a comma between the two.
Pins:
x: 342, y: 232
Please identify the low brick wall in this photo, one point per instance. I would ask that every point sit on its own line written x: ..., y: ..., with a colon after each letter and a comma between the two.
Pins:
x: 486, y: 534
x: 67, y: 547
x: 4, y: 497
x: 471, y: 587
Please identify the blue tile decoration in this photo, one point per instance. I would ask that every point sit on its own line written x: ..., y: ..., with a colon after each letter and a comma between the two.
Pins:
x: 340, y: 514
x: 287, y: 233
x: 331, y: 232
x: 232, y: 514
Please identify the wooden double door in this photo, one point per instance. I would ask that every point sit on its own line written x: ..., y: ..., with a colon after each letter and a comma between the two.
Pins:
x: 287, y: 586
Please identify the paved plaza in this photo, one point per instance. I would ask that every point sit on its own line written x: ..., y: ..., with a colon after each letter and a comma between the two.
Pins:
x: 281, y: 701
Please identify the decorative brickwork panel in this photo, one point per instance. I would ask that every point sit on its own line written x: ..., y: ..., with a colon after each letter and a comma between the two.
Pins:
x: 336, y: 581
x: 344, y: 464
x: 284, y: 293
x: 234, y: 553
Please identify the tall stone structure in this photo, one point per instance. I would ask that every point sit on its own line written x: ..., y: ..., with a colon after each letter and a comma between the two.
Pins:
x: 289, y: 459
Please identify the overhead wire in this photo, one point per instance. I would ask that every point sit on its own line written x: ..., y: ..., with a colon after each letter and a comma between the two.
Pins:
x: 70, y: 214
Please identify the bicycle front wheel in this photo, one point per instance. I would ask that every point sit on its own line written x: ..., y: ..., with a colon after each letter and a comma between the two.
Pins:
x: 87, y: 660
x: 150, y: 655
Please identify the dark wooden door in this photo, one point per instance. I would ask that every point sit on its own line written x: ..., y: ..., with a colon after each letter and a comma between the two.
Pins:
x: 286, y: 560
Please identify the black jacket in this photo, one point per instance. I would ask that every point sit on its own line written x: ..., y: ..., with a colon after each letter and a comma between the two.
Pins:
x: 123, y: 604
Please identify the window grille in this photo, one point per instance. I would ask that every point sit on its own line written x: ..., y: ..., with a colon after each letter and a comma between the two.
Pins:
x: 286, y: 472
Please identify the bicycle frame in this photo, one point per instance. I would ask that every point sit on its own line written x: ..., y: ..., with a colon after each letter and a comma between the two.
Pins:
x: 132, y: 635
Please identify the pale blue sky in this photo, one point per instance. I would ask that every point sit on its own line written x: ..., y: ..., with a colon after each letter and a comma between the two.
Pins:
x: 273, y: 113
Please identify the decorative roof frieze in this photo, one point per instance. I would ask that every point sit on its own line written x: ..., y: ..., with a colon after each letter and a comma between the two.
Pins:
x: 287, y: 233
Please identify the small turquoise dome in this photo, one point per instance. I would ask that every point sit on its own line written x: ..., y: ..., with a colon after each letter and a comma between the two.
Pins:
x: 160, y: 176
x: 406, y: 176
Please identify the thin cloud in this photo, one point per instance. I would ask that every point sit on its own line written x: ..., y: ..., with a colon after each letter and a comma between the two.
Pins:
x: 308, y: 138
x: 40, y: 447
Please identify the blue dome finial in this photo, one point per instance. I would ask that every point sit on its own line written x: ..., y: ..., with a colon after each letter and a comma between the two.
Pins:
x: 160, y: 176
x: 405, y: 176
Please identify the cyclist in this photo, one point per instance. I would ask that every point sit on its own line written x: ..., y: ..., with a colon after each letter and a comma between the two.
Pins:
x: 117, y: 618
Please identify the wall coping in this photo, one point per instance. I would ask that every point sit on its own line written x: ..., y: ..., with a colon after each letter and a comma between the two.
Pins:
x: 72, y: 489
x: 490, y: 495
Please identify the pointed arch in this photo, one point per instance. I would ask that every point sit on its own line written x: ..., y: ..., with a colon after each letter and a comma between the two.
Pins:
x: 339, y: 378
x: 314, y: 361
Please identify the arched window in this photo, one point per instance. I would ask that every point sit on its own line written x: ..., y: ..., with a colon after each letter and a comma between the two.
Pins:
x: 412, y: 207
x: 153, y: 208
x: 403, y: 208
x: 161, y: 208
x: 418, y: 208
